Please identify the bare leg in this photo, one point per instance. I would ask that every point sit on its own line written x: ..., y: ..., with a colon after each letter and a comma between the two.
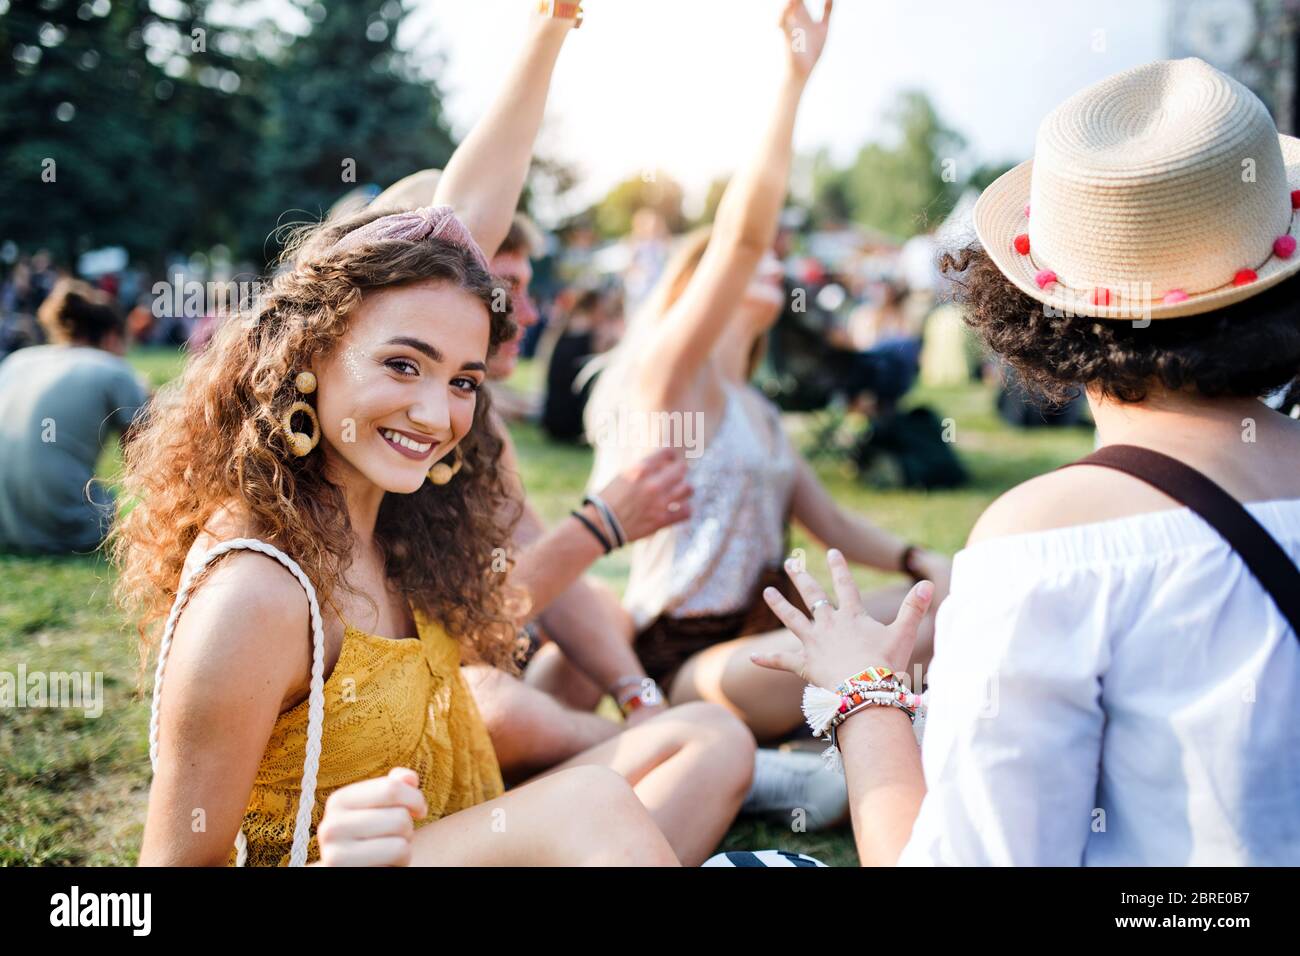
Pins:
x: 587, y: 611
x: 530, y: 730
x: 691, y: 767
x: 767, y: 701
x: 586, y: 816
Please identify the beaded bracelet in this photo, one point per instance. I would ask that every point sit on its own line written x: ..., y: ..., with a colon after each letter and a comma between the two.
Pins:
x: 876, y: 679
x: 870, y: 674
x: 893, y: 695
x: 825, y: 710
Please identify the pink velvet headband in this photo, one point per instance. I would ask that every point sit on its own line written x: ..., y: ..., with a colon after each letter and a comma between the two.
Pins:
x: 429, y: 222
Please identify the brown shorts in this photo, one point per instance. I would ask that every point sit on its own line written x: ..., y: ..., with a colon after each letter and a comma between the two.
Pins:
x: 666, y: 642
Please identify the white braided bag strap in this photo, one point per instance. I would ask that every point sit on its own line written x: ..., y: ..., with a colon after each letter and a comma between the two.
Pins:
x: 315, y: 707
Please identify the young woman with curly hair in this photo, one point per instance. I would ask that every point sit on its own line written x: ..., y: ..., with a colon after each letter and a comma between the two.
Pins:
x: 325, y: 468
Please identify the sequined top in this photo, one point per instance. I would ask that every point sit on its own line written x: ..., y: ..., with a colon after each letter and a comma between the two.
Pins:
x: 743, y: 481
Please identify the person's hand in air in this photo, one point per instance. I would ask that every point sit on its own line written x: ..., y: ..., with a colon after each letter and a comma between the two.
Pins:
x: 805, y: 37
x: 841, y: 639
x: 370, y: 823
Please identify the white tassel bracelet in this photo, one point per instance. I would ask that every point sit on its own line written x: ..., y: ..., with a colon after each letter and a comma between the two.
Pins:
x: 825, y: 709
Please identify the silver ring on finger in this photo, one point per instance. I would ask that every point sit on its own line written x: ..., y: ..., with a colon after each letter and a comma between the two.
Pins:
x: 818, y: 603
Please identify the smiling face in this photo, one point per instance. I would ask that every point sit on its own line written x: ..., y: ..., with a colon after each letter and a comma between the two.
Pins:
x: 398, y: 392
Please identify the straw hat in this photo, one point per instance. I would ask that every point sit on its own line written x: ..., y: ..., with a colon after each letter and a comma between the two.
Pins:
x: 1162, y: 191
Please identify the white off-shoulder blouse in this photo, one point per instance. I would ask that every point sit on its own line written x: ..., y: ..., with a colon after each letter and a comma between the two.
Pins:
x: 1113, y: 694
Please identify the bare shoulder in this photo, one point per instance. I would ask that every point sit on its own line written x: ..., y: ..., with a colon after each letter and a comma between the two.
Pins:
x: 246, y: 625
x: 1064, y: 498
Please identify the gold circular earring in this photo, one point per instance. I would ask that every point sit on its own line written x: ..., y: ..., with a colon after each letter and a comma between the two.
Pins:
x: 442, y: 472
x: 301, y: 443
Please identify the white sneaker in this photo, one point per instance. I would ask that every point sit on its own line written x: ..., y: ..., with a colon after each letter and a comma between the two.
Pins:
x: 789, y: 781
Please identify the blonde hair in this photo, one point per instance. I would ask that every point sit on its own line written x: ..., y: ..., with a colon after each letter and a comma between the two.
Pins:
x: 615, y: 366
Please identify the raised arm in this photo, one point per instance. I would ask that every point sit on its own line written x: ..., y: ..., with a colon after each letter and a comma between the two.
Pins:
x: 745, y: 225
x: 485, y: 176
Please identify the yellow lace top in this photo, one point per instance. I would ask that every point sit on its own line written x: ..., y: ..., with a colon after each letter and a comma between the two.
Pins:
x: 388, y: 703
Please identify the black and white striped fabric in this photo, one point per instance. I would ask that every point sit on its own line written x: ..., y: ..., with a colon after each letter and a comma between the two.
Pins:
x: 761, y: 858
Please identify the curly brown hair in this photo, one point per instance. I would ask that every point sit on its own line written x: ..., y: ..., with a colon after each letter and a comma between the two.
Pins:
x: 214, y: 436
x: 1248, y: 349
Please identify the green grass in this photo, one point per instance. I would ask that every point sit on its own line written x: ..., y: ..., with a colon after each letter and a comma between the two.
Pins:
x: 73, y: 789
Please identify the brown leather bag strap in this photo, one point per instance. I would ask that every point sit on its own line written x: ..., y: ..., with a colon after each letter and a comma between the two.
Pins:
x: 1267, y: 561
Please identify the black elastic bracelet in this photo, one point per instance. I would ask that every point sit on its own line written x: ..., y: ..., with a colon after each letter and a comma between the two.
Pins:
x: 604, y: 542
x: 908, y: 553
x: 610, y: 521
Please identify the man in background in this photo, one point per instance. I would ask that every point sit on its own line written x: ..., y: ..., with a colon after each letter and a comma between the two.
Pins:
x: 58, y: 404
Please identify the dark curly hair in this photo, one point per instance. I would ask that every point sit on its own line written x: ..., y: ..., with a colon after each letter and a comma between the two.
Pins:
x: 1248, y: 349
x: 213, y: 437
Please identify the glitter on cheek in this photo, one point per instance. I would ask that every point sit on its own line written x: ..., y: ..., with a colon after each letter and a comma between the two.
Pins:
x: 352, y: 363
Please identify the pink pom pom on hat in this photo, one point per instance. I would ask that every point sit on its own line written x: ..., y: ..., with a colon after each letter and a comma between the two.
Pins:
x: 416, y: 225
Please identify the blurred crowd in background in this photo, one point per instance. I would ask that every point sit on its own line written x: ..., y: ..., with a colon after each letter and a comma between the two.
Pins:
x: 865, y: 321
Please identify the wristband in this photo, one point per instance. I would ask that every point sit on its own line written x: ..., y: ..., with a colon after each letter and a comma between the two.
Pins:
x: 825, y: 709
x: 870, y: 674
x: 561, y: 10
x: 611, y: 519
x: 905, y: 564
x: 625, y: 681
x: 604, y: 542
x: 646, y: 687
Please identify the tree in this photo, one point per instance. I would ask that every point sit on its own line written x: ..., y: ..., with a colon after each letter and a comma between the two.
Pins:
x: 169, y: 132
x: 613, y: 214
x: 344, y: 106
x: 120, y: 123
x: 899, y: 189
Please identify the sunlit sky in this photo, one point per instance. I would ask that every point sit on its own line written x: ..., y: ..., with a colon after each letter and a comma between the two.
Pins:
x: 684, y: 85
